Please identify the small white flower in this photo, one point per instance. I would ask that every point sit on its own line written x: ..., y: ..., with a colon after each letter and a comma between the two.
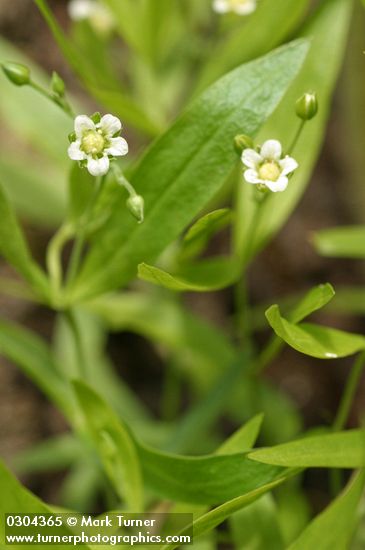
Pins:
x: 268, y: 167
x: 240, y: 7
x: 98, y: 15
x: 96, y: 143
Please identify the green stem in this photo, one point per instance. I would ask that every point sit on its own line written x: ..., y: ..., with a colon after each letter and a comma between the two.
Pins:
x: 60, y: 102
x: 81, y: 236
x: 349, y: 393
x: 119, y: 176
x: 269, y: 353
x: 296, y: 137
x: 81, y: 360
x: 54, y: 263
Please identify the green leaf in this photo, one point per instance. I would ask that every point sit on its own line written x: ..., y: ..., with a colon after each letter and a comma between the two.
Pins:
x: 14, y: 498
x: 338, y: 450
x: 315, y: 299
x: 315, y: 340
x: 186, y: 167
x: 275, y: 21
x: 328, y: 30
x: 33, y: 356
x: 114, y: 444
x: 15, y: 250
x: 244, y: 438
x: 341, y: 242
x: 81, y: 185
x: 333, y: 528
x: 199, y: 234
x: 203, y: 276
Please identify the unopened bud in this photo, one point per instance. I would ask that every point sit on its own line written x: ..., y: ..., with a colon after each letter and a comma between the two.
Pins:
x: 242, y: 142
x: 306, y: 107
x: 135, y: 205
x: 57, y: 84
x: 17, y: 73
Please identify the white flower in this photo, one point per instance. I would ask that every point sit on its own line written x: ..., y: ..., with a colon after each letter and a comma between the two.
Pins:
x: 240, y: 7
x: 268, y: 167
x: 95, y: 143
x: 98, y: 15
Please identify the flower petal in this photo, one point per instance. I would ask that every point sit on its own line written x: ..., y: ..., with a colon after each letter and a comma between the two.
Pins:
x: 98, y: 167
x: 251, y: 158
x: 118, y: 147
x: 271, y: 149
x: 80, y: 9
x: 110, y: 125
x: 82, y: 124
x: 279, y: 185
x: 74, y: 151
x: 251, y: 176
x: 288, y: 165
x: 221, y: 6
x: 245, y: 8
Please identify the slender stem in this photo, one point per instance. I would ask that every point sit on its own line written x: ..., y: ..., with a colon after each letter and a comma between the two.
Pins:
x: 349, y: 393
x: 296, y: 137
x: 123, y: 181
x: 269, y: 353
x: 60, y: 102
x: 73, y: 325
x: 81, y: 237
x: 54, y: 263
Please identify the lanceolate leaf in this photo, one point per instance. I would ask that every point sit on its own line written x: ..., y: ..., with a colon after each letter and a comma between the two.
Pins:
x: 244, y: 438
x: 315, y: 299
x: 15, y: 250
x: 203, y: 276
x: 183, y: 170
x: 341, y: 242
x: 315, y: 340
x: 334, y: 527
x: 338, y: 450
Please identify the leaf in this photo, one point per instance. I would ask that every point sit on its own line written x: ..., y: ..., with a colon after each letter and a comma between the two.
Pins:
x: 341, y: 242
x: 15, y: 498
x: 185, y: 168
x: 328, y: 30
x: 334, y: 527
x: 199, y: 234
x: 315, y: 340
x: 114, y: 445
x: 204, y: 276
x: 15, y: 250
x: 244, y: 438
x: 33, y: 356
x: 81, y: 185
x: 275, y: 22
x: 338, y: 450
x: 218, y: 515
x: 315, y: 299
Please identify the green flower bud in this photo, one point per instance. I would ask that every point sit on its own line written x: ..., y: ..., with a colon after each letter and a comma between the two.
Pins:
x: 57, y: 85
x: 306, y: 107
x: 17, y: 74
x: 242, y: 142
x: 135, y: 205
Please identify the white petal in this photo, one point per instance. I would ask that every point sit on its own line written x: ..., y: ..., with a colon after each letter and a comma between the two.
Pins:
x: 271, y: 149
x: 279, y: 185
x: 251, y: 158
x: 118, y: 147
x: 246, y: 7
x: 80, y: 9
x: 82, y: 124
x: 251, y: 176
x: 98, y: 167
x: 110, y: 125
x: 74, y: 151
x: 221, y: 6
x: 288, y: 165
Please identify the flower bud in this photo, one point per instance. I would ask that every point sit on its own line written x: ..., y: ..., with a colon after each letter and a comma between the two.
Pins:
x: 242, y: 142
x: 17, y: 73
x: 135, y: 205
x: 57, y: 85
x: 306, y: 107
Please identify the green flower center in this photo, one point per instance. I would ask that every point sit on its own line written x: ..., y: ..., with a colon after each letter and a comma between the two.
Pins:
x: 269, y: 170
x: 93, y: 143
